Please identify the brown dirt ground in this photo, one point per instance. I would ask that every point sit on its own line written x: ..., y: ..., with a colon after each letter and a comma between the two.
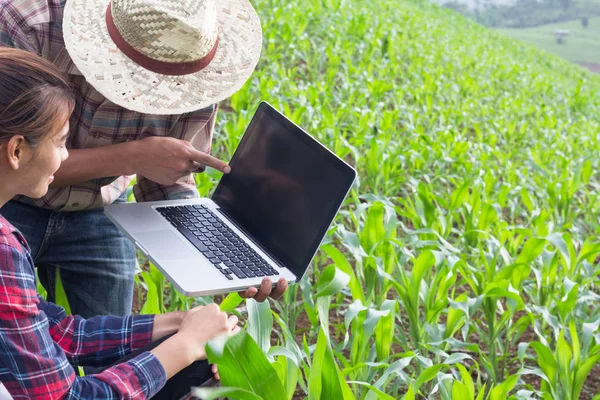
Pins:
x: 303, y: 326
x: 590, y: 389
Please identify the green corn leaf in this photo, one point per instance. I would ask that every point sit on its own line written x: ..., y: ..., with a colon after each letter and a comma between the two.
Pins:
x: 323, y: 304
x: 61, y: 295
x: 531, y: 250
x: 290, y: 342
x: 260, y: 323
x: 427, y: 375
x: 380, y: 395
x: 227, y: 392
x: 499, y: 292
x: 373, y: 231
x: 567, y: 304
x: 326, y: 381
x: 546, y: 362
x: 349, y: 370
x: 384, y: 332
x: 456, y: 315
x: 526, y: 200
x: 289, y: 374
x: 279, y: 351
x: 560, y: 243
x: 410, y: 393
x: 457, y: 357
x: 460, y: 195
x: 309, y: 301
x: 342, y: 263
x: 421, y: 265
x: 575, y: 342
x: 395, y: 368
x: 501, y: 391
x: 362, y: 330
x: 159, y: 281
x: 230, y: 302
x: 331, y: 282
x: 243, y: 365
x: 467, y: 381
x: 152, y: 304
x: 565, y: 357
x: 428, y: 207
x: 460, y: 391
x: 516, y: 273
x: 353, y: 310
x: 40, y: 288
x: 582, y: 373
x: 482, y: 392
x: 351, y: 242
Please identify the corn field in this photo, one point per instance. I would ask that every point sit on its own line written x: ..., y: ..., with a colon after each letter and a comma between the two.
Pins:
x: 464, y: 264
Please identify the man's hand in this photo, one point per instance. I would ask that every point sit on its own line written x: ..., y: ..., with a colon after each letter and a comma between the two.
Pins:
x: 215, y: 371
x: 266, y: 290
x: 165, y: 160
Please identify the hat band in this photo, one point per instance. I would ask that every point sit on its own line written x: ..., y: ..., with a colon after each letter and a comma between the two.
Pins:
x: 157, y: 66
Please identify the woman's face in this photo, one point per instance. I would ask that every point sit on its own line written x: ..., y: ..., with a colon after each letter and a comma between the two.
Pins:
x: 44, y: 161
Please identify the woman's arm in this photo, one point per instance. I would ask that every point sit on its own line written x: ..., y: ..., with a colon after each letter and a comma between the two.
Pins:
x: 34, y: 366
x: 198, y: 326
x: 165, y: 324
x: 96, y: 341
x: 113, y: 336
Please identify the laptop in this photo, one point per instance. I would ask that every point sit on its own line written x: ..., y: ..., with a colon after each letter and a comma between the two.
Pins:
x: 266, y: 218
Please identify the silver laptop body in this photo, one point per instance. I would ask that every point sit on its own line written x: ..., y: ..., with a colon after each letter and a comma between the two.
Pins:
x: 265, y: 219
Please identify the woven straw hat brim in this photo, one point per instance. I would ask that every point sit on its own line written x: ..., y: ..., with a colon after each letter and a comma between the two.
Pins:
x: 125, y: 83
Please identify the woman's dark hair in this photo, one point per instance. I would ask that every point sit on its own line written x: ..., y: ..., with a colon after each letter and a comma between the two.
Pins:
x: 36, y: 99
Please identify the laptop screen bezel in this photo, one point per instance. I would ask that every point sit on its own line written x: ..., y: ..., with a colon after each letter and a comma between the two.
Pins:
x: 347, y: 171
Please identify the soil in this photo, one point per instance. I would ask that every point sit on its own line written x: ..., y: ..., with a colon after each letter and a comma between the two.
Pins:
x: 591, y: 387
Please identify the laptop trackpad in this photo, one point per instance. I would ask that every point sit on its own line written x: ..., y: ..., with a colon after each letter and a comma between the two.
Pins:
x: 164, y: 245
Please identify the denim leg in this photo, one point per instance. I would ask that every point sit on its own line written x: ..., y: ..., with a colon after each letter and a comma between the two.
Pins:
x: 96, y: 261
x: 31, y: 221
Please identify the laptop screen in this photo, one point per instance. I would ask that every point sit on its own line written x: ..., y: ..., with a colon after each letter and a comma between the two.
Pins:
x: 284, y: 188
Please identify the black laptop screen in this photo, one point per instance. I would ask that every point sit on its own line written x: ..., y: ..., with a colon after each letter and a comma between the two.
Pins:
x: 284, y: 188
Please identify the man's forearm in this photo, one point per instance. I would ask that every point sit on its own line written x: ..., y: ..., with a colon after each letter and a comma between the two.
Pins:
x: 86, y: 164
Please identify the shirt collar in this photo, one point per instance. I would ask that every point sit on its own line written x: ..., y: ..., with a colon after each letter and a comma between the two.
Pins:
x: 6, y: 227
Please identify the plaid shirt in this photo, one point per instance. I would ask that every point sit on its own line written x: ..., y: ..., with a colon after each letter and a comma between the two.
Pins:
x: 38, y: 341
x: 36, y: 26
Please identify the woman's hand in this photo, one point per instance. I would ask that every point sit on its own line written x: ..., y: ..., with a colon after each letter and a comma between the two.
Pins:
x: 198, y: 326
x: 202, y: 324
x: 214, y: 368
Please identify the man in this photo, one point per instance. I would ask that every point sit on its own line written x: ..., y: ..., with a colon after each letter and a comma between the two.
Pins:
x: 148, y: 75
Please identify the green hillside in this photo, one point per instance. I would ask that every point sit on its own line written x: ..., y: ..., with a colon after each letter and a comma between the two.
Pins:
x: 582, y: 44
x: 464, y: 262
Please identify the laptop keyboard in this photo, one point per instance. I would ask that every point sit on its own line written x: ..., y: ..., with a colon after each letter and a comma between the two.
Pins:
x: 217, y: 242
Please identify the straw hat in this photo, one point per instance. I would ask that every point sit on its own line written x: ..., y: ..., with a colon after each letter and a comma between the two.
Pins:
x: 163, y: 56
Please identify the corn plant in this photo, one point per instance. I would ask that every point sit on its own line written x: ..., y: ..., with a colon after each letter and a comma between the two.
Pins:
x: 468, y: 245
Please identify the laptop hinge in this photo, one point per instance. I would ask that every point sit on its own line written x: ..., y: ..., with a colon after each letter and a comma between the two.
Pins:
x: 255, y: 242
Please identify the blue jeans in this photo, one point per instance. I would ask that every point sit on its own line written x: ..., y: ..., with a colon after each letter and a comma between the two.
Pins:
x: 97, y: 263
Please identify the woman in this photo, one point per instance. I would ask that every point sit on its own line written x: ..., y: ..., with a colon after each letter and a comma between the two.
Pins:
x: 38, y: 341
